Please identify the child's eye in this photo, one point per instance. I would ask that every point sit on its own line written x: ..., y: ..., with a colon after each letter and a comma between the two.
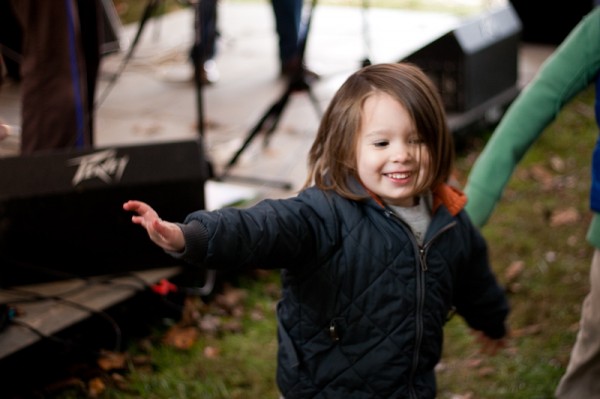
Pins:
x: 381, y: 143
x: 415, y: 140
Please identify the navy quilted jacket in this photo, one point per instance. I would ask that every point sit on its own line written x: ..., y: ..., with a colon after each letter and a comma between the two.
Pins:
x: 363, y: 306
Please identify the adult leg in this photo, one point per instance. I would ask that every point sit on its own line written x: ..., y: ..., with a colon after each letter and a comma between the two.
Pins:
x: 92, y: 31
x: 204, y: 48
x: 10, y: 41
x: 582, y: 378
x: 53, y: 89
x: 288, y: 15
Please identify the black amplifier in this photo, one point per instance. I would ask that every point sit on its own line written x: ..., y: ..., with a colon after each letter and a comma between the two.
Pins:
x: 474, y: 62
x: 61, y: 213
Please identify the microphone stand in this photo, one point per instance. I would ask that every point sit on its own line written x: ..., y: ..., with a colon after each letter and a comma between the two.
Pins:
x: 268, y: 122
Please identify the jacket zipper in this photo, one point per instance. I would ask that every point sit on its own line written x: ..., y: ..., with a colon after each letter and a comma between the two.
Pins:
x: 422, y: 265
x: 425, y: 247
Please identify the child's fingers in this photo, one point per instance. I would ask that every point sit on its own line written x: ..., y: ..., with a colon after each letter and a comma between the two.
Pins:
x: 137, y: 220
x: 131, y: 205
x: 137, y: 206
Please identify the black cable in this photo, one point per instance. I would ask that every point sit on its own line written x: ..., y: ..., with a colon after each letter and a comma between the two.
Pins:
x: 88, y: 282
x: 33, y: 297
x: 204, y: 290
x: 30, y: 296
x: 41, y: 335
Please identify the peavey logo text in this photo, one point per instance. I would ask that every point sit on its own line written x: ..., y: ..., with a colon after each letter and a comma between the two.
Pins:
x: 104, y: 165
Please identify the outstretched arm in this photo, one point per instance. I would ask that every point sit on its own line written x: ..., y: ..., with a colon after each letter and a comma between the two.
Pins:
x: 165, y: 234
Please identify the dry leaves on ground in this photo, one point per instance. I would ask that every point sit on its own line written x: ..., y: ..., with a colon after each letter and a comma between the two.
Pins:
x: 564, y: 216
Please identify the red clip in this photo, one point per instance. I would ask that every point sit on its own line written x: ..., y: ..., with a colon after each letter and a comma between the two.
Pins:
x: 164, y: 287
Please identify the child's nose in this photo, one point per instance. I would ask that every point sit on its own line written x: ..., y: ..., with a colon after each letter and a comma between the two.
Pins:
x: 402, y: 154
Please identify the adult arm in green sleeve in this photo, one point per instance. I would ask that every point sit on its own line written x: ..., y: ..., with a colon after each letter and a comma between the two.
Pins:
x: 568, y: 71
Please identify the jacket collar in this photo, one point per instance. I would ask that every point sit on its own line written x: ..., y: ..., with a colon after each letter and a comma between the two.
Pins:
x: 451, y: 197
x: 444, y: 194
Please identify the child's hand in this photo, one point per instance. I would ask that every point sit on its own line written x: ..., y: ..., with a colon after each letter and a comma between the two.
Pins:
x: 489, y: 346
x: 165, y: 234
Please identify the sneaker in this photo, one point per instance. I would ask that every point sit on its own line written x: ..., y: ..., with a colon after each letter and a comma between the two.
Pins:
x: 211, y: 72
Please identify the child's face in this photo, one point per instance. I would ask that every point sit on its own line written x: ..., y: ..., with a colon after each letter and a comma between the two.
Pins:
x: 391, y: 157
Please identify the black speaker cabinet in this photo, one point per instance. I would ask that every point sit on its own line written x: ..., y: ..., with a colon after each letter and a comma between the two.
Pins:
x: 61, y: 213
x: 549, y: 22
x: 474, y: 62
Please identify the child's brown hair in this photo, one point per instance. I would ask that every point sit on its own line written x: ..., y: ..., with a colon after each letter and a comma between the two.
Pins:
x: 332, y: 157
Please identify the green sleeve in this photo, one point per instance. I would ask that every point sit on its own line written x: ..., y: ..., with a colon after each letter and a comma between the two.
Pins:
x: 568, y: 71
x: 593, y: 234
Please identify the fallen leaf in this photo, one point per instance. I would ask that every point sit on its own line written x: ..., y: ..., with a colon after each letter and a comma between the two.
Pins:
x: 562, y: 217
x: 550, y: 256
x: 441, y: 367
x: 514, y: 270
x: 96, y: 387
x: 574, y: 327
x: 468, y: 395
x: 557, y: 164
x: 514, y: 287
x: 233, y: 326
x: 257, y: 314
x: 210, y: 324
x: 486, y: 371
x: 191, y: 310
x: 231, y: 298
x: 112, y: 361
x: 542, y: 176
x: 238, y: 311
x: 69, y: 383
x: 532, y: 329
x: 119, y: 380
x: 273, y: 290
x: 141, y: 360
x: 211, y: 352
x: 572, y: 241
x: 181, y: 337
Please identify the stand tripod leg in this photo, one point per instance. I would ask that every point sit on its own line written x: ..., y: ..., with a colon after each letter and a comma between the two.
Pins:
x: 296, y: 83
x: 274, y: 114
x: 315, y: 102
x: 291, y: 89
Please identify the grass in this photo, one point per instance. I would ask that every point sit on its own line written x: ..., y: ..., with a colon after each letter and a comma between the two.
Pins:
x: 546, y: 295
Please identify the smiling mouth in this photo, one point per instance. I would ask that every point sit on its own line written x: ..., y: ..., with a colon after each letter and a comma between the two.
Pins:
x: 398, y: 176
